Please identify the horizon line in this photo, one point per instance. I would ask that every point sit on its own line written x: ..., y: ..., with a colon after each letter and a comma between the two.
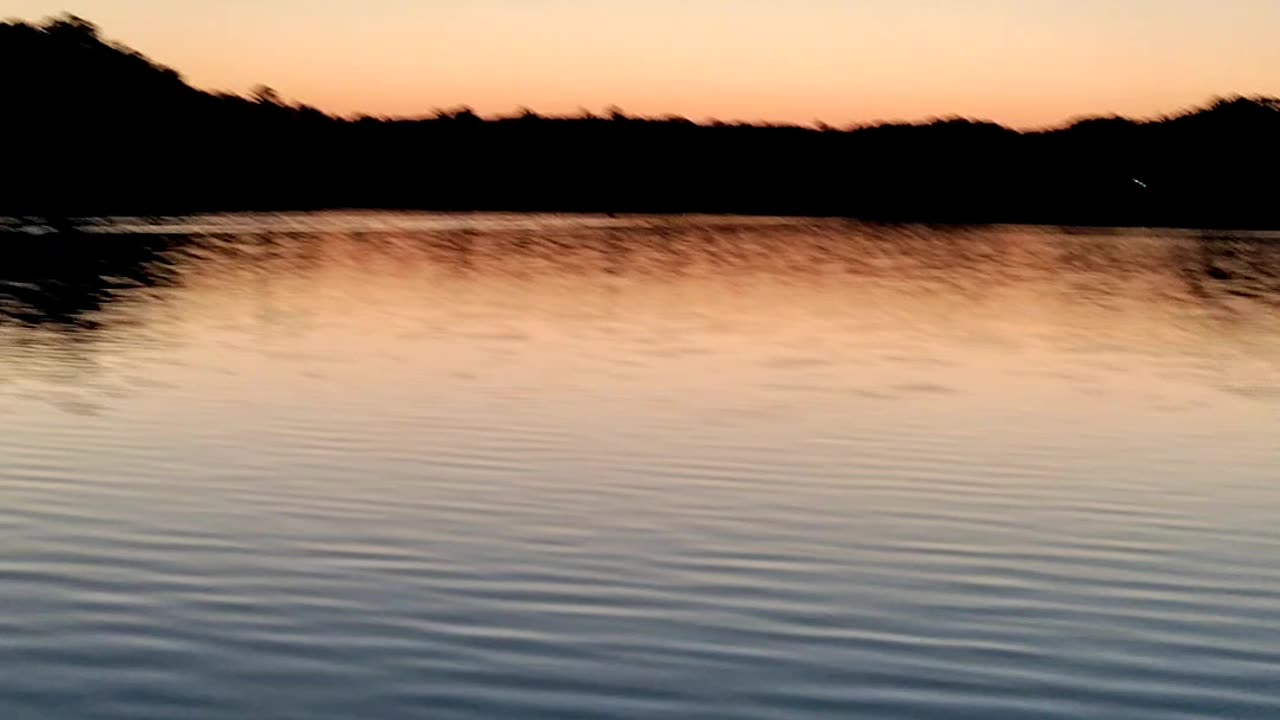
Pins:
x: 266, y: 92
x: 611, y: 112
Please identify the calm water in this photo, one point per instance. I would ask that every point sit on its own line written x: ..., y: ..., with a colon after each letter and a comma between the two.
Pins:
x: 389, y: 466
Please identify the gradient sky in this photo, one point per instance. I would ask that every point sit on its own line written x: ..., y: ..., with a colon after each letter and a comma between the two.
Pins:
x: 1022, y: 62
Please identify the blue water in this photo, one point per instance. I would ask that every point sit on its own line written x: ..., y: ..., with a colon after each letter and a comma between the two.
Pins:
x: 479, y: 466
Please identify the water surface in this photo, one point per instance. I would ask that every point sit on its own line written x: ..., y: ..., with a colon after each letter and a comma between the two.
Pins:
x: 479, y: 466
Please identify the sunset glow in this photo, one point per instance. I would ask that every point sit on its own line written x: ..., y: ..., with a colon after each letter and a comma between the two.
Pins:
x: 839, y: 61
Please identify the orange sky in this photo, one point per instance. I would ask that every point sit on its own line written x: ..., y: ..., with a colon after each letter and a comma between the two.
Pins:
x: 1022, y: 62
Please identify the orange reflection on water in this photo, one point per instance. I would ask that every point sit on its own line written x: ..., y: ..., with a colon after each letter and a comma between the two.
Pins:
x: 813, y: 317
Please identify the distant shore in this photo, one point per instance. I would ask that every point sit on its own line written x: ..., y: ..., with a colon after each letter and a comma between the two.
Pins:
x: 105, y: 131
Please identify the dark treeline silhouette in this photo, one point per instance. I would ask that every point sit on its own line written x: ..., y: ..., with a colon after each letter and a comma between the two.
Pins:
x: 91, y: 127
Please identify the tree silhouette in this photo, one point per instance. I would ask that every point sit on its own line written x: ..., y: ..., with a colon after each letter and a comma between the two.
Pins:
x: 266, y: 95
x: 97, y: 128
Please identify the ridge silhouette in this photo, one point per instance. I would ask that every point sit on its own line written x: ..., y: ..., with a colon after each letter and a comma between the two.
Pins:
x: 94, y: 128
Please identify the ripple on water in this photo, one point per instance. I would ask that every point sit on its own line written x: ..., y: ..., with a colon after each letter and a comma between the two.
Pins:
x: 409, y: 465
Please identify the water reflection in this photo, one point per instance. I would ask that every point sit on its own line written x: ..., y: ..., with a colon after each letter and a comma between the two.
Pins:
x: 67, y: 279
x: 1010, y: 288
x: 61, y: 296
x: 515, y: 466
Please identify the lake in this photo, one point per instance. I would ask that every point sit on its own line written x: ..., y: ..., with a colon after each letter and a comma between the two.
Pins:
x: 379, y: 465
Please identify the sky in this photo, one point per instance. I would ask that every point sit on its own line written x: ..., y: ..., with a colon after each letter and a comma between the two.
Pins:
x: 1026, y: 63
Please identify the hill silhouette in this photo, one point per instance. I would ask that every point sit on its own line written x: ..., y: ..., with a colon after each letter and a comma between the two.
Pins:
x: 91, y: 127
